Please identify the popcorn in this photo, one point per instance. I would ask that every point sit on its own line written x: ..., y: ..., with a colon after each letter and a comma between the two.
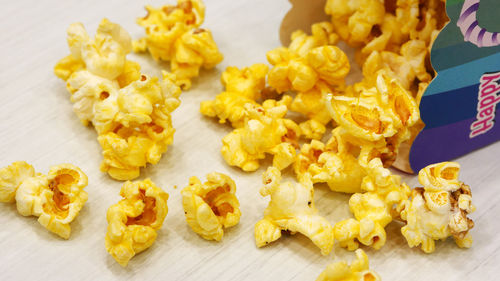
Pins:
x: 374, y: 209
x: 291, y: 209
x: 358, y: 270
x: 332, y: 163
x: 11, y: 177
x: 439, y: 209
x: 242, y: 86
x: 56, y: 198
x: 211, y: 206
x: 173, y: 34
x: 133, y: 222
x: 130, y: 111
x: 63, y: 199
x: 265, y: 131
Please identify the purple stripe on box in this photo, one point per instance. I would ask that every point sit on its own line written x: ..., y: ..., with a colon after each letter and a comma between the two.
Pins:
x: 467, y: 12
x: 448, y: 142
x: 470, y: 29
x: 495, y: 38
x: 480, y: 37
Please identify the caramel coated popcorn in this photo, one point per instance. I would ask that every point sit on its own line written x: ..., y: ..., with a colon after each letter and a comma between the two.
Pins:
x: 438, y: 210
x: 358, y: 270
x: 173, y: 34
x: 56, y: 198
x: 291, y: 209
x: 211, y: 206
x: 133, y: 222
x: 130, y: 111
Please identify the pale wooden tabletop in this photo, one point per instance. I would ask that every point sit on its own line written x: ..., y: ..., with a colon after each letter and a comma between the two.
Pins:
x: 37, y: 125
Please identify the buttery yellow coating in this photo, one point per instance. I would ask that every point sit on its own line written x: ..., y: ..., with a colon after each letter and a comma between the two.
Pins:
x: 173, y: 34
x: 439, y: 209
x: 56, y: 198
x: 130, y: 111
x: 133, y: 222
x: 265, y: 131
x: 358, y: 270
x: 291, y: 209
x: 11, y: 177
x: 242, y: 87
x: 211, y: 206
x: 62, y: 201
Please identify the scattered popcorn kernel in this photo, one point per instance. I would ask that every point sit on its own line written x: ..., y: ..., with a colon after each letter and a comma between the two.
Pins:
x: 242, y: 86
x: 56, y: 198
x: 358, y: 270
x: 63, y: 199
x: 173, y: 34
x: 211, y: 206
x: 374, y: 209
x: 312, y: 129
x: 133, y: 222
x: 439, y: 209
x: 265, y: 131
x: 291, y: 209
x: 11, y: 177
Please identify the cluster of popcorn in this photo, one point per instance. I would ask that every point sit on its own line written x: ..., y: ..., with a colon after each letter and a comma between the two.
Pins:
x: 173, y: 34
x: 133, y: 222
x: 211, y: 206
x: 130, y: 111
x: 55, y: 198
x: 358, y: 270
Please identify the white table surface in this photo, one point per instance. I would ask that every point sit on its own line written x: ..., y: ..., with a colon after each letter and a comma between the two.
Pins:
x: 37, y: 125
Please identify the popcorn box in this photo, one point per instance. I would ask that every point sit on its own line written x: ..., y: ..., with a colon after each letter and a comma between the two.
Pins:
x: 459, y: 106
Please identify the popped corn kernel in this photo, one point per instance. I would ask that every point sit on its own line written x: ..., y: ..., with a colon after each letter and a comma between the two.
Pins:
x: 291, y: 209
x: 135, y: 126
x: 359, y: 270
x: 133, y: 222
x: 439, y: 209
x: 242, y: 86
x: 312, y: 129
x: 211, y: 206
x: 11, y: 177
x: 265, y: 131
x: 56, y: 198
x: 63, y: 199
x: 332, y: 163
x: 173, y: 34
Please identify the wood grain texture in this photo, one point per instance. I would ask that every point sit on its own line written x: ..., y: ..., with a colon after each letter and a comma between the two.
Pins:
x: 37, y: 125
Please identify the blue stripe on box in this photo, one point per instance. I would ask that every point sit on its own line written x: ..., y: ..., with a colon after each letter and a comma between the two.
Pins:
x: 449, y: 107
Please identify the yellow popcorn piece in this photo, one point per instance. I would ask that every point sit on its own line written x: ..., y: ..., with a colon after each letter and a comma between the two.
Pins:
x: 242, y: 86
x: 332, y: 163
x: 211, y: 206
x: 265, y: 132
x: 359, y: 270
x: 130, y: 111
x: 321, y: 35
x: 291, y: 209
x: 312, y: 129
x: 63, y: 199
x: 133, y: 222
x: 173, y: 34
x: 56, y: 198
x: 374, y: 209
x: 439, y: 209
x: 11, y: 177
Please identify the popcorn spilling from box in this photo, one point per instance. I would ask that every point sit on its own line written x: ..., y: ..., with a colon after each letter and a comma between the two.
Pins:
x: 211, y: 206
x: 56, y: 198
x: 357, y: 270
x: 173, y: 33
x: 133, y: 222
x: 130, y: 111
